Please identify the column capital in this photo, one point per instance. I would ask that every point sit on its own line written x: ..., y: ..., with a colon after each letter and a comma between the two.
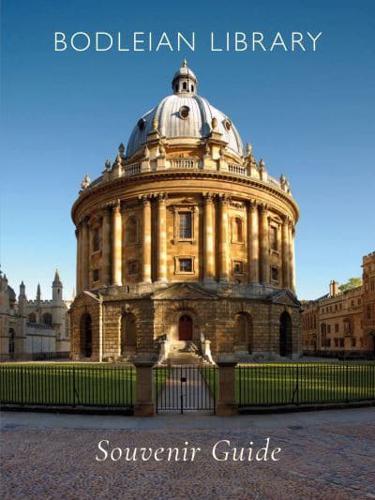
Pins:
x: 208, y: 197
x: 116, y: 206
x: 263, y: 207
x: 144, y: 198
x: 285, y: 219
x: 252, y: 204
x: 161, y: 197
x: 224, y: 198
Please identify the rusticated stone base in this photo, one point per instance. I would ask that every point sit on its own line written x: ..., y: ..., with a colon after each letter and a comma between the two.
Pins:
x: 231, y: 320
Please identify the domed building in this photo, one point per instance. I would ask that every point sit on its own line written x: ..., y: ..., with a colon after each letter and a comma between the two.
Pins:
x: 185, y: 243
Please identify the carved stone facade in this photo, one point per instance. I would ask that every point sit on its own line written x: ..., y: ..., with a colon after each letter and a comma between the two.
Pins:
x: 185, y: 238
x: 33, y: 329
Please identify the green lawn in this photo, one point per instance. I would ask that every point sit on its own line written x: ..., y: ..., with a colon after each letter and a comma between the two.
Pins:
x: 257, y: 384
x: 67, y: 384
x: 289, y: 383
x: 263, y: 384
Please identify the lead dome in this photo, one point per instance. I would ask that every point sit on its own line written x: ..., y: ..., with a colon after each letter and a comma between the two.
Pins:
x: 184, y: 114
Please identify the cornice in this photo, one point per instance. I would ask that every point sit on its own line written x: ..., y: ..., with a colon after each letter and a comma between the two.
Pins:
x: 264, y: 186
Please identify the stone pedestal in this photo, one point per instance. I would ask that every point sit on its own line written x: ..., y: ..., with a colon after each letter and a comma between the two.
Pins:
x: 226, y: 404
x: 144, y: 404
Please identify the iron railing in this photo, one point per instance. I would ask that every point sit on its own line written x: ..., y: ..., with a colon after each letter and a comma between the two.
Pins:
x: 68, y: 386
x: 185, y: 388
x: 304, y: 383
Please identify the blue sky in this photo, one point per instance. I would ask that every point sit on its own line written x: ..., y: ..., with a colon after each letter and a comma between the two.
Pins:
x: 309, y: 115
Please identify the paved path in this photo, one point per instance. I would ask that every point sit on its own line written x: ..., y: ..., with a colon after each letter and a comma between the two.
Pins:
x: 325, y: 455
x: 185, y: 387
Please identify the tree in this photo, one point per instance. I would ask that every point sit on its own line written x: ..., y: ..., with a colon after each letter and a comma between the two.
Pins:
x: 350, y: 284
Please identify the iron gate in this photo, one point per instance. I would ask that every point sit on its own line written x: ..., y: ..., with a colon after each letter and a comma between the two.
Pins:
x: 182, y: 389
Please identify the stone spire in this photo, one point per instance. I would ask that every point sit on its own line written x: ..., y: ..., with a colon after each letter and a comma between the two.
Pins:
x: 38, y: 293
x: 57, y: 287
x: 22, y: 289
x: 56, y: 280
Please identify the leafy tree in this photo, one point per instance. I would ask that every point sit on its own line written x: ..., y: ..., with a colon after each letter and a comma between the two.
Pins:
x: 350, y: 284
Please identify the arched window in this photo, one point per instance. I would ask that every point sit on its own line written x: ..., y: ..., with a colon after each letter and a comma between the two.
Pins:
x: 47, y: 319
x: 244, y: 332
x: 184, y: 85
x: 128, y: 333
x: 12, y: 342
x: 86, y: 336
x: 132, y: 230
x: 185, y: 328
x: 285, y: 334
x: 238, y: 230
x: 32, y: 318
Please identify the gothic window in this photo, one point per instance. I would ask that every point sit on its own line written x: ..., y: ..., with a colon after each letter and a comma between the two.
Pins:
x: 238, y: 267
x: 133, y: 267
x: 12, y: 342
x: 132, y: 230
x: 185, y: 225
x: 273, y: 238
x: 47, y: 319
x: 185, y: 265
x: 95, y: 275
x: 96, y: 240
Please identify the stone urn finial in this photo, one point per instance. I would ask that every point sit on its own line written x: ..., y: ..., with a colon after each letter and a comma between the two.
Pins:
x: 86, y: 181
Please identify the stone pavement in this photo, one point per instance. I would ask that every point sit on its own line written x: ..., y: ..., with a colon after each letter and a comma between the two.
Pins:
x: 324, y: 455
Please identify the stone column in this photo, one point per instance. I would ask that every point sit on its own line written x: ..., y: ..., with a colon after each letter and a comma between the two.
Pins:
x: 106, y: 247
x: 146, y: 240
x: 78, y: 263
x: 117, y: 245
x: 285, y: 252
x: 224, y: 239
x: 291, y: 258
x: 162, y: 238
x: 253, y: 241
x: 208, y: 228
x: 226, y: 404
x: 85, y: 255
x: 144, y: 403
x: 264, y: 245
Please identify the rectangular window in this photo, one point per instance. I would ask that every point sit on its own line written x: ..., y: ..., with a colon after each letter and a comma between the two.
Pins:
x: 237, y: 267
x: 185, y: 265
x: 274, y: 274
x: 133, y: 267
x: 336, y: 328
x: 96, y: 240
x: 95, y: 275
x: 186, y: 225
x: 273, y: 238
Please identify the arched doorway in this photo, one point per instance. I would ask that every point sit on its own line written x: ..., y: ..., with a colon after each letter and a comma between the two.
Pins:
x: 243, y: 337
x: 128, y: 341
x: 86, y: 335
x: 185, y: 328
x: 285, y: 334
x: 12, y: 343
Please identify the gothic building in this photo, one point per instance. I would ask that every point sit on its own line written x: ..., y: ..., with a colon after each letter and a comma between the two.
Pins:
x: 33, y: 329
x: 185, y: 242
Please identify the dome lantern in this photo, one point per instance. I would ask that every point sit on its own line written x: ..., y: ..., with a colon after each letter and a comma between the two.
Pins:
x: 184, y: 80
